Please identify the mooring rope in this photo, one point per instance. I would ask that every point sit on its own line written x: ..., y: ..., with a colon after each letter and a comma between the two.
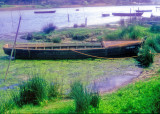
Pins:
x: 100, y: 57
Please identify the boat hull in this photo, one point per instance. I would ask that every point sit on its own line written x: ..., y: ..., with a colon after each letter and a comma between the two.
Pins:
x: 127, y: 14
x: 143, y: 11
x: 105, y: 15
x: 44, y: 11
x: 123, y: 51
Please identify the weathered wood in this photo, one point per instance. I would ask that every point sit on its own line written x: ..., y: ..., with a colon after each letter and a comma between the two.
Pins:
x: 65, y: 51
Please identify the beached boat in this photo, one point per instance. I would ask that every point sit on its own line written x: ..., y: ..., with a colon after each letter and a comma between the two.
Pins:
x: 74, y: 51
x: 105, y: 15
x: 143, y: 10
x: 45, y: 11
x: 127, y: 14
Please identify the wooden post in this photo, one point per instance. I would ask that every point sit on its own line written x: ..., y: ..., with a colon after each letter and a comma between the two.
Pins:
x: 86, y: 21
x: 68, y: 18
x: 13, y: 48
x: 130, y: 15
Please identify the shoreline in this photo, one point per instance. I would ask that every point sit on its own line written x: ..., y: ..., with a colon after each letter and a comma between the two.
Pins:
x: 33, y: 7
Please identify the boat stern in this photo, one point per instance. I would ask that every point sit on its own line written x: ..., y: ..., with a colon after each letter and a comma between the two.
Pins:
x: 6, y: 49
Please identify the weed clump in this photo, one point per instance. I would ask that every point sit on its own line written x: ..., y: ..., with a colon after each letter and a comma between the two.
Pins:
x: 145, y: 56
x: 83, y: 98
x: 130, y: 32
x: 53, y: 90
x: 49, y: 28
x: 155, y: 28
x: 34, y: 91
x: 56, y: 40
x: 154, y: 43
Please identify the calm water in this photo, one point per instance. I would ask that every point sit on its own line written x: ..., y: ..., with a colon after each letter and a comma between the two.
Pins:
x: 34, y: 22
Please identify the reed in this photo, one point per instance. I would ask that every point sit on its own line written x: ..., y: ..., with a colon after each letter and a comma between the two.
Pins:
x: 53, y: 91
x: 81, y: 96
x: 131, y: 32
x: 84, y: 98
x: 34, y: 91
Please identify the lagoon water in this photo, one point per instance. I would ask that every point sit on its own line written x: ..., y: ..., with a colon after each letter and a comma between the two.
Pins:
x: 35, y: 22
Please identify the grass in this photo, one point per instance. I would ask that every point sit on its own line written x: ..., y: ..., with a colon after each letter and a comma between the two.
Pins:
x: 63, y: 71
x: 141, y: 97
x: 133, y: 32
x: 76, y: 34
x: 67, y: 71
x: 126, y: 33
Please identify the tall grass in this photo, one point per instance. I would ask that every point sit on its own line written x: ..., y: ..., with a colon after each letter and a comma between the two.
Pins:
x: 155, y: 28
x: 145, y: 57
x: 146, y: 52
x: 6, y: 104
x: 131, y: 32
x: 34, y: 91
x: 81, y: 96
x: 53, y: 90
x: 154, y: 43
x: 84, y: 98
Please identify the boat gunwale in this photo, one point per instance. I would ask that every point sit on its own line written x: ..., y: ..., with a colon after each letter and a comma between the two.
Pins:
x: 125, y: 44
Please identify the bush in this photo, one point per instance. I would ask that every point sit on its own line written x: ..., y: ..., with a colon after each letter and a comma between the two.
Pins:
x: 155, y: 28
x: 154, y: 43
x: 49, y: 28
x: 75, y: 26
x: 56, y: 40
x: 33, y: 91
x: 145, y: 56
x: 80, y: 36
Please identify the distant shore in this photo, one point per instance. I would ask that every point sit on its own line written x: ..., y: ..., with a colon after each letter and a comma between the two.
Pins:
x: 32, y: 7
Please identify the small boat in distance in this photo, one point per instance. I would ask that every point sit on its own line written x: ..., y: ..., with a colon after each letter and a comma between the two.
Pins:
x: 143, y: 10
x: 45, y: 11
x: 74, y: 51
x: 127, y: 14
x: 105, y: 15
x: 77, y: 9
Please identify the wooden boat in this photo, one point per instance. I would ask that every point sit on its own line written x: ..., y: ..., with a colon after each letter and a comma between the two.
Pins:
x: 74, y: 51
x: 45, y: 11
x: 143, y: 10
x: 105, y: 15
x: 77, y: 9
x: 127, y: 14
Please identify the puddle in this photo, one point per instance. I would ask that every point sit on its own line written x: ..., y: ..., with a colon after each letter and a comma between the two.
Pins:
x: 110, y: 83
x: 9, y: 87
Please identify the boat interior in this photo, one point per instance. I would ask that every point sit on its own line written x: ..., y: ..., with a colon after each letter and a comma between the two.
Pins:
x: 61, y: 46
x: 52, y: 46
